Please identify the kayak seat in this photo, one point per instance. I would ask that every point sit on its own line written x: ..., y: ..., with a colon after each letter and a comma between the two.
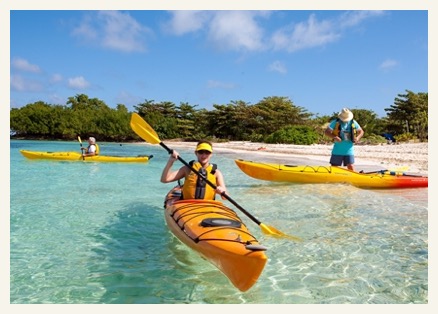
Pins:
x: 220, y: 222
x: 255, y: 247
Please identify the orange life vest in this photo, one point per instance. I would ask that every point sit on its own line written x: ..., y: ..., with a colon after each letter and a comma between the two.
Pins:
x: 195, y: 187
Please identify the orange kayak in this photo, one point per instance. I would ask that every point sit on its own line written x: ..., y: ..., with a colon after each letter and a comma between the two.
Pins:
x: 217, y: 234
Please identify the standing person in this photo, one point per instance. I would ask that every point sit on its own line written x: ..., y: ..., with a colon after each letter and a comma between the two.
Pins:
x: 194, y: 186
x: 92, y: 149
x: 345, y: 132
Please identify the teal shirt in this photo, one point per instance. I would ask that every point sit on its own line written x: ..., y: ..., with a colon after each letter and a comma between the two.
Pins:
x: 346, y: 147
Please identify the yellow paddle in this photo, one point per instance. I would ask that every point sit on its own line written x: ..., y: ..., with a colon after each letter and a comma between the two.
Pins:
x: 145, y: 131
x: 80, y: 142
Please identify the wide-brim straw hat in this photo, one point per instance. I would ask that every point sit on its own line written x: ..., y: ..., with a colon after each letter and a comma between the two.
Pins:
x: 345, y: 115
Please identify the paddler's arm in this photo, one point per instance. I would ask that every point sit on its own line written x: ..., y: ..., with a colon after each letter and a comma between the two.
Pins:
x: 86, y: 152
x: 220, y: 184
x: 170, y: 176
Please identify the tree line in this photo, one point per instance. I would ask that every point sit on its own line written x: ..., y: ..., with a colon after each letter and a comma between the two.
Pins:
x: 272, y: 120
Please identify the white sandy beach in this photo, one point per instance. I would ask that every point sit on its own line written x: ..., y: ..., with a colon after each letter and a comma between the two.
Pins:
x: 385, y: 156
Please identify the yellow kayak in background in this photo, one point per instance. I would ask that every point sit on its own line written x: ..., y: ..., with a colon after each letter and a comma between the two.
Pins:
x: 216, y: 233
x: 74, y: 156
x: 329, y: 174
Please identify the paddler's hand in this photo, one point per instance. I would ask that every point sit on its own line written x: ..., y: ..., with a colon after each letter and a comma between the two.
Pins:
x: 173, y: 156
x: 221, y: 191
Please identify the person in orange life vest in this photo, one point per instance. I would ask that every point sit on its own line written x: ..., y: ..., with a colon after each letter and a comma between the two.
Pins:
x: 92, y: 148
x: 345, y: 132
x: 194, y: 186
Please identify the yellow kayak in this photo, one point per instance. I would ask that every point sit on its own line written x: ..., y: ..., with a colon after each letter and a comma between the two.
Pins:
x: 75, y: 156
x: 218, y: 235
x: 329, y: 174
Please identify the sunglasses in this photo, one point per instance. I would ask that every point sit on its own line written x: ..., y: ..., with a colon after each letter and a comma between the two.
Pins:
x: 203, y: 152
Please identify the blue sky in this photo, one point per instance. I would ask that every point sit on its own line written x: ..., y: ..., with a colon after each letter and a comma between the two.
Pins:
x: 321, y: 60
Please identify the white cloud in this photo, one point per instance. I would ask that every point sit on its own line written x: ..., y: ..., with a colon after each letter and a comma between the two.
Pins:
x: 312, y: 33
x: 388, y: 64
x: 78, y: 82
x: 85, y: 29
x: 243, y: 31
x: 353, y: 18
x: 226, y: 30
x: 24, y: 65
x: 20, y: 84
x: 55, y: 78
x: 236, y: 30
x: 183, y: 22
x: 278, y: 66
x: 113, y: 30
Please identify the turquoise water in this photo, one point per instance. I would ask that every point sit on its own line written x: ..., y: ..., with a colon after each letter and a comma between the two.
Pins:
x: 93, y: 233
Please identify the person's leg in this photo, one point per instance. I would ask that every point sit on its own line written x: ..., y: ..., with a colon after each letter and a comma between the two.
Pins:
x: 349, y: 161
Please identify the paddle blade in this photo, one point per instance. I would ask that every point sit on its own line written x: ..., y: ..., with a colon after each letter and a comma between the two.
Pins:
x: 135, y: 118
x: 79, y: 139
x: 143, y: 129
x: 277, y: 233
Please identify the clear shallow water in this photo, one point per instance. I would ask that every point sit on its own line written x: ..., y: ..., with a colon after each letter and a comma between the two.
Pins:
x: 95, y: 233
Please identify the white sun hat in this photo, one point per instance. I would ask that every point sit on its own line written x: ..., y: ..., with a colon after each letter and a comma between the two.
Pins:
x: 345, y: 115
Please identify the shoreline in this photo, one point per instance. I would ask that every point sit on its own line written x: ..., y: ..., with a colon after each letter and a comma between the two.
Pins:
x: 385, y: 156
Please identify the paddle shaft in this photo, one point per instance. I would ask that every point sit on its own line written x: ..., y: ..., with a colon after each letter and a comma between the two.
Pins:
x: 212, y: 185
x: 393, y: 173
x: 146, y: 132
x: 82, y: 153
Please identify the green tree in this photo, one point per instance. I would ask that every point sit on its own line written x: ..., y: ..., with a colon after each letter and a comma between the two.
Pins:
x: 298, y: 135
x: 409, y: 114
x: 274, y: 113
x: 185, y: 116
x: 162, y: 117
x: 37, y: 120
x: 236, y: 120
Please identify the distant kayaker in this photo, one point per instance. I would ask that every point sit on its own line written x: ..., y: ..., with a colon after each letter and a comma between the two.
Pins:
x: 345, y: 132
x: 92, y: 149
x: 195, y: 186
